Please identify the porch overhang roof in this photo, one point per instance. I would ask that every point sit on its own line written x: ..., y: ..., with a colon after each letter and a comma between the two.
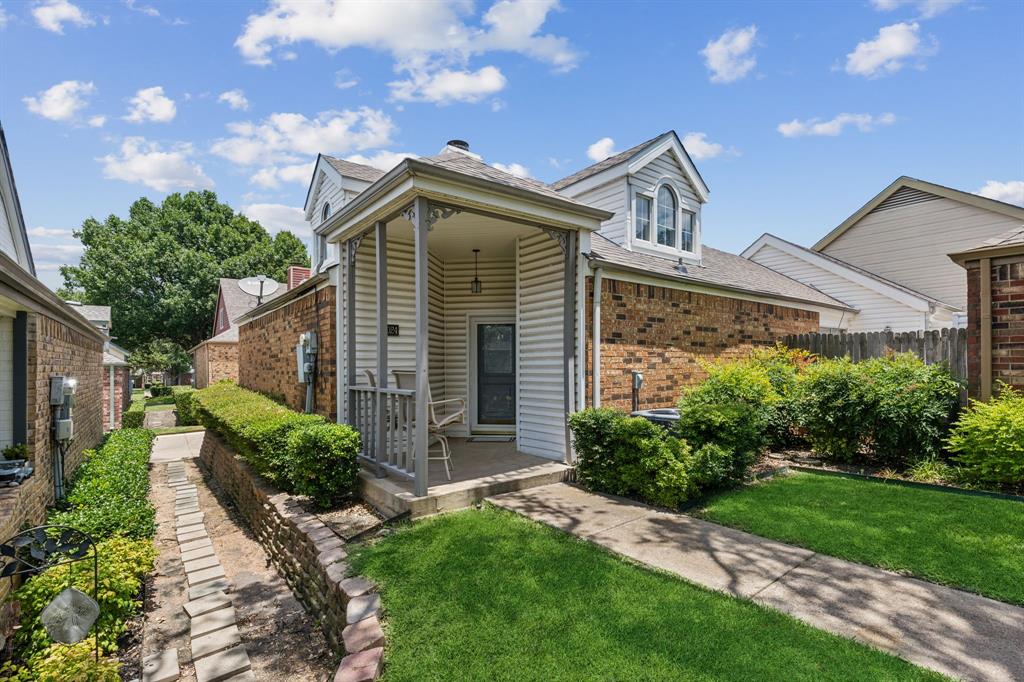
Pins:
x: 384, y: 199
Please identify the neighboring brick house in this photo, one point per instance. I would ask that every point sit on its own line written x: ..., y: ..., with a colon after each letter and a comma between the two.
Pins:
x: 216, y: 358
x: 117, y: 388
x: 995, y: 312
x: 40, y: 337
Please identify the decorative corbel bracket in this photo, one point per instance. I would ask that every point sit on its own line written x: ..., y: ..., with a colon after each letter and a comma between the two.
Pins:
x: 560, y: 236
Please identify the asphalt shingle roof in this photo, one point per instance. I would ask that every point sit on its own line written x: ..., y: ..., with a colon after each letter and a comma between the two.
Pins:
x: 718, y: 268
x: 93, y: 313
x: 358, y: 171
x: 1011, y: 237
x: 610, y: 162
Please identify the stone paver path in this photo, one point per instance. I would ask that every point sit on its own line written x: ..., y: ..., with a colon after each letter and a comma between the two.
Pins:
x: 956, y: 633
x: 156, y: 419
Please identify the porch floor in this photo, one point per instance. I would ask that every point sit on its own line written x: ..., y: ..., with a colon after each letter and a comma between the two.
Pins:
x: 480, y: 469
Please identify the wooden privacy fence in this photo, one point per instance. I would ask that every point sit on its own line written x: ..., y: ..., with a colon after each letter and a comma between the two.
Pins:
x: 932, y: 346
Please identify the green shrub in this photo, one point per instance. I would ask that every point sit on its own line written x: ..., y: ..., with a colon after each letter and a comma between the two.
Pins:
x: 123, y: 564
x: 108, y: 495
x: 135, y: 416
x: 321, y: 462
x: 910, y: 407
x: 832, y: 409
x: 890, y: 411
x: 19, y: 451
x: 732, y: 408
x: 255, y: 426
x: 634, y: 458
x: 782, y: 365
x: 184, y: 405
x: 61, y: 662
x: 157, y: 390
x: 988, y: 439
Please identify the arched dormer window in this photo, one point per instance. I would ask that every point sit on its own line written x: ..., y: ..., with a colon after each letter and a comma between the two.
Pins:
x: 667, y: 214
x: 326, y: 213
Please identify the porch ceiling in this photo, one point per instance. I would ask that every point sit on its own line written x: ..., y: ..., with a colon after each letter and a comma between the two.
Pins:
x: 455, y: 238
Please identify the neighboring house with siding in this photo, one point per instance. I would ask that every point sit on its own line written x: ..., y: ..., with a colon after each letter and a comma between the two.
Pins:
x: 480, y: 283
x: 889, y: 259
x: 40, y: 337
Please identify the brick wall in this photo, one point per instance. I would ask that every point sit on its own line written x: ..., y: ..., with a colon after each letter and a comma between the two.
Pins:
x: 308, y: 554
x: 663, y: 332
x: 215, y: 362
x: 266, y: 351
x: 1007, y: 277
x: 54, y: 349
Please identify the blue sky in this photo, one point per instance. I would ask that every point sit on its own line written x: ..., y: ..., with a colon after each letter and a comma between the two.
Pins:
x: 796, y: 113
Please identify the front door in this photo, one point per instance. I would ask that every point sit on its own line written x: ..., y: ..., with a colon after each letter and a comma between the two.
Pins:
x: 494, y: 376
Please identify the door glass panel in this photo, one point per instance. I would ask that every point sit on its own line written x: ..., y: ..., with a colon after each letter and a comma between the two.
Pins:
x: 496, y: 363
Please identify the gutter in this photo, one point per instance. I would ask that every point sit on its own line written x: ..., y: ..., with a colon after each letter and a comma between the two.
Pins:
x: 599, y: 262
x: 20, y: 286
x: 285, y: 298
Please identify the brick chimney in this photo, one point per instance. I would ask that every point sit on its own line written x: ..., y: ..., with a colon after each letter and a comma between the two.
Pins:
x: 297, y: 275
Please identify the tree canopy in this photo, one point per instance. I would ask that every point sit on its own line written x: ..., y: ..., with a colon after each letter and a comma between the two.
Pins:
x: 160, y: 355
x: 159, y: 269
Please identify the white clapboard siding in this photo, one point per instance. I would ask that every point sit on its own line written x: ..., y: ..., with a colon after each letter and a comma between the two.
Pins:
x: 498, y: 297
x: 539, y: 314
x: 7, y: 236
x: 326, y: 191
x: 666, y: 166
x: 6, y: 381
x: 876, y: 311
x: 909, y: 244
x: 612, y: 196
x: 401, y: 311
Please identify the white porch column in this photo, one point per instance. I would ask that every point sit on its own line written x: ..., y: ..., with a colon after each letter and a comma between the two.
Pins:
x: 380, y: 428
x: 420, y: 227
x: 350, y: 325
x: 568, y: 336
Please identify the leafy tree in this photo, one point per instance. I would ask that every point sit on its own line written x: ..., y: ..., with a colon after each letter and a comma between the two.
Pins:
x: 161, y: 355
x: 158, y: 268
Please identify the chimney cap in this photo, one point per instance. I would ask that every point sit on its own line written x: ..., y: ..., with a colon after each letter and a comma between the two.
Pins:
x: 458, y: 144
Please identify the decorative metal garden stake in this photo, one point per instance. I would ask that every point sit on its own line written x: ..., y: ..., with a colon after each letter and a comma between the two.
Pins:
x: 69, y: 616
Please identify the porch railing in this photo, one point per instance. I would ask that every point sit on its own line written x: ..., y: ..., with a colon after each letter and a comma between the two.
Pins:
x: 396, y: 450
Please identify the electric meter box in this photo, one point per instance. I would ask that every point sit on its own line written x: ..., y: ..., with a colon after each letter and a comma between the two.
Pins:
x: 61, y: 388
x: 64, y: 429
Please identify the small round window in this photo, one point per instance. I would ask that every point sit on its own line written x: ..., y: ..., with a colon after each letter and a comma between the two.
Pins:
x: 326, y: 213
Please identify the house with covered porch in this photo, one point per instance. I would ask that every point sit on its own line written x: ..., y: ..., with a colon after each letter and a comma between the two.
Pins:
x: 463, y: 302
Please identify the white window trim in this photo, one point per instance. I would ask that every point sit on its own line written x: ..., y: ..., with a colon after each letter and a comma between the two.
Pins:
x: 682, y: 205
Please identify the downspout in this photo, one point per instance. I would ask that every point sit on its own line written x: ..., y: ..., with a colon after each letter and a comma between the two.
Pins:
x: 596, y: 343
x: 986, y: 328
x: 110, y: 421
x: 339, y: 358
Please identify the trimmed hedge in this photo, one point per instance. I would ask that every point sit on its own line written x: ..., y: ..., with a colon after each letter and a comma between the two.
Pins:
x: 320, y: 464
x: 184, y: 405
x: 135, y: 416
x: 158, y: 391
x: 108, y: 495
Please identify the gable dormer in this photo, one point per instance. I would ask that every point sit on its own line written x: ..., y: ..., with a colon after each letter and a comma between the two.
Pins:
x: 656, y: 193
x: 335, y: 182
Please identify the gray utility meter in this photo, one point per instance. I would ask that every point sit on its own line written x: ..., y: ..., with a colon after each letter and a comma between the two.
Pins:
x: 62, y: 399
x: 638, y: 383
x: 305, y: 356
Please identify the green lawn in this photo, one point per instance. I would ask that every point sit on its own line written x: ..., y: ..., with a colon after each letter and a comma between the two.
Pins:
x: 487, y: 595
x: 976, y: 543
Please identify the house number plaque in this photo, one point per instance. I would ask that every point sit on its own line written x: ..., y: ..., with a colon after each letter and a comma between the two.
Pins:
x: 392, y: 330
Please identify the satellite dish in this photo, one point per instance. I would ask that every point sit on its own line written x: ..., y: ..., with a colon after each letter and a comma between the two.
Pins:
x: 258, y: 286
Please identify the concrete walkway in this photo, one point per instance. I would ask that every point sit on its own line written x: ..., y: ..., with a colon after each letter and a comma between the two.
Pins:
x: 954, y: 632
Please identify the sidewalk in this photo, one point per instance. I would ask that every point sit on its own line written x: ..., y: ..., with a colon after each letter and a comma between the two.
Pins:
x: 954, y: 632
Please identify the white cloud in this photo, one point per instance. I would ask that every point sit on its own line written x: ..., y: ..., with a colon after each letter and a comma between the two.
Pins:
x: 144, y: 162
x: 284, y: 137
x: 729, y: 58
x: 235, y: 99
x: 343, y: 79
x: 447, y: 86
x: 97, y: 121
x: 150, y: 104
x: 56, y: 251
x: 48, y: 232
x: 53, y: 14
x: 430, y: 42
x: 4, y: 18
x: 384, y: 160
x: 888, y: 51
x: 144, y: 9
x: 699, y: 147
x: 1012, y: 192
x: 926, y: 8
x: 815, y: 126
x: 62, y: 101
x: 273, y: 176
x: 516, y: 169
x: 601, y: 149
x: 278, y: 217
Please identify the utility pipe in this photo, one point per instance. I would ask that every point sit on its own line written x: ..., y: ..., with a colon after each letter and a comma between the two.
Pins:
x: 596, y: 343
